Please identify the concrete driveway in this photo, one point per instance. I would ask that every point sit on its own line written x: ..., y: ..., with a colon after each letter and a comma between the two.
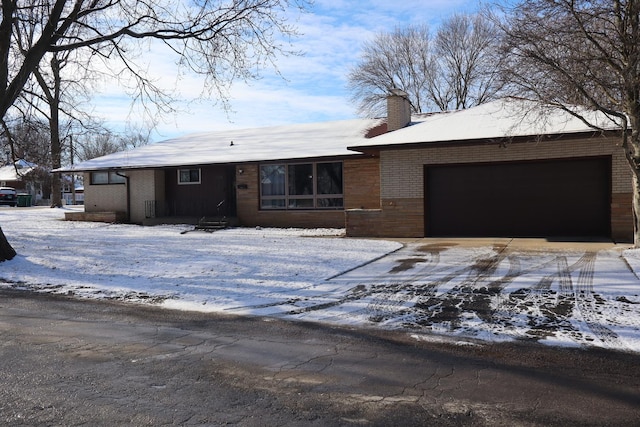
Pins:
x: 554, y: 292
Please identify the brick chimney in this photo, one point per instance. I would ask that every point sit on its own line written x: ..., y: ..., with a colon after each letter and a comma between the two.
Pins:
x: 398, y: 110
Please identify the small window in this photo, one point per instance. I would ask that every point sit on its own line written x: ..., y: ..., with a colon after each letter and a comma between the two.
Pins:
x: 98, y: 178
x: 188, y: 176
x: 114, y: 178
x: 106, y: 178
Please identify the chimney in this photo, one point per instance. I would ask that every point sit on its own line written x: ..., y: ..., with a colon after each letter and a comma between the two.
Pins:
x: 398, y: 110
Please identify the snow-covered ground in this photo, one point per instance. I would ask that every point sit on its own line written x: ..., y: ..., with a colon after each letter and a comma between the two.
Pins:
x: 488, y: 293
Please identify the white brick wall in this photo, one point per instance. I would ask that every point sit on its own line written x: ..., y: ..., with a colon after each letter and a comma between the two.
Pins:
x: 410, y: 183
x: 104, y: 198
x: 144, y: 185
x: 142, y: 189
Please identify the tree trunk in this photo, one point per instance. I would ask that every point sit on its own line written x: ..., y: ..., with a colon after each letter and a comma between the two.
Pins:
x: 6, y: 251
x: 56, y: 145
x: 56, y: 191
x: 631, y: 146
x: 636, y: 209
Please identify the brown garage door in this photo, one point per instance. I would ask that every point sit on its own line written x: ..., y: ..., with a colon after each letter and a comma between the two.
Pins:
x: 527, y: 199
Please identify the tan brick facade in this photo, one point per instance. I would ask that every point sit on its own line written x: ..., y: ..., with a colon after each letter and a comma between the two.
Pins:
x: 398, y: 111
x: 104, y: 198
x: 401, y: 212
x: 144, y: 185
x: 383, y: 196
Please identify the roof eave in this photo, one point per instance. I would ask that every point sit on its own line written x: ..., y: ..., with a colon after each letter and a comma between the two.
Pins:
x: 168, y: 166
x: 368, y: 149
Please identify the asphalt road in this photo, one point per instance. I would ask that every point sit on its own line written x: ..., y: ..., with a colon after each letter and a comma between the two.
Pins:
x: 71, y: 362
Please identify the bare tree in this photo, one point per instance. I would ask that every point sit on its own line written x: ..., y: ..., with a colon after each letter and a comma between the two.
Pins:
x: 222, y: 40
x: 134, y: 136
x: 578, y: 52
x: 64, y: 81
x: 26, y: 138
x: 97, y: 144
x: 400, y: 59
x: 466, y: 71
x: 52, y: 92
x: 455, y: 69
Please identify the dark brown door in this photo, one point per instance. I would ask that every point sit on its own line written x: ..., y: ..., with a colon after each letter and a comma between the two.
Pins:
x: 525, y: 199
x: 212, y: 195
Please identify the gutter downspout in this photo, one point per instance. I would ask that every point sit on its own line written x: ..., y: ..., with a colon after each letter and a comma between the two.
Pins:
x: 126, y: 178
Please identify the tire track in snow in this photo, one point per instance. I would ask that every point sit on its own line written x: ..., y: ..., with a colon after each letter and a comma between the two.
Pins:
x: 362, y: 291
x: 581, y: 295
x: 587, y: 303
x: 448, y: 307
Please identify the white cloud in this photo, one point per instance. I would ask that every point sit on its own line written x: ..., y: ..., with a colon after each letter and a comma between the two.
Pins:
x: 309, y: 88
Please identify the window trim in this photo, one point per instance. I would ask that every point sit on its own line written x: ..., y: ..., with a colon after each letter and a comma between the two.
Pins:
x: 112, y: 178
x: 199, y: 181
x: 288, y: 198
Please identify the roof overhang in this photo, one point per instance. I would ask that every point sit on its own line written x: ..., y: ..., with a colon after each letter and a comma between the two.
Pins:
x: 501, y: 141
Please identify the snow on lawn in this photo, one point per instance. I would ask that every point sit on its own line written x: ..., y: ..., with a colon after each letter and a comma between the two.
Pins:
x: 191, y: 271
x: 579, y: 298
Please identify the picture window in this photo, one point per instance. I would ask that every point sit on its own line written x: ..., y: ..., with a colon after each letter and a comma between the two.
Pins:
x: 301, y: 186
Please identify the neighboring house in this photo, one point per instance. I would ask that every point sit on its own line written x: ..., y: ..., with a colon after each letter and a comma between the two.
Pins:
x: 72, y: 189
x: 25, y: 177
x: 499, y: 169
x: 72, y: 192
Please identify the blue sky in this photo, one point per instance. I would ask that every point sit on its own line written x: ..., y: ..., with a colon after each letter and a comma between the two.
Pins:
x: 310, y: 88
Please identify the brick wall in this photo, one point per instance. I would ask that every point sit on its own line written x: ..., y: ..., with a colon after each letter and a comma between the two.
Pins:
x: 398, y: 112
x: 401, y: 212
x: 104, y: 198
x: 362, y: 183
x: 621, y: 217
x: 410, y: 182
x: 144, y: 185
x: 396, y: 218
x: 109, y: 217
x: 250, y: 215
x: 361, y: 178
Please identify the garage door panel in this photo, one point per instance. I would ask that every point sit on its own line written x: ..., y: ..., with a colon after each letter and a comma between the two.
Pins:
x: 550, y: 198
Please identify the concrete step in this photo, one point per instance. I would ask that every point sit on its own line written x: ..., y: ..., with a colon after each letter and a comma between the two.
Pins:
x: 210, y: 224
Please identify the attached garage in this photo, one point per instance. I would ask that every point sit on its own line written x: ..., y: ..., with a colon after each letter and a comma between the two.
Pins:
x: 548, y: 198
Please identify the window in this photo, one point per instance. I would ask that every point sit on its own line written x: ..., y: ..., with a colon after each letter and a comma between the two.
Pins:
x: 301, y: 186
x: 106, y: 178
x: 188, y: 176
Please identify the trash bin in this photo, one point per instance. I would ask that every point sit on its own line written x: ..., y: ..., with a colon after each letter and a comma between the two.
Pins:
x: 24, y: 200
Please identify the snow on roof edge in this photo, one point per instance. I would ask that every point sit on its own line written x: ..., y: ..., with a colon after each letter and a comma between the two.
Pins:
x: 276, y: 143
x: 502, y: 118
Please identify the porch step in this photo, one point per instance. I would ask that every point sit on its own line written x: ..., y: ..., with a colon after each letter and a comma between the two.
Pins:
x: 212, y: 224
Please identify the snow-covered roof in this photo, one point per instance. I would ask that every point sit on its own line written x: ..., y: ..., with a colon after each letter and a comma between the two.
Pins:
x: 504, y: 118
x: 300, y: 141
x: 15, y: 173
